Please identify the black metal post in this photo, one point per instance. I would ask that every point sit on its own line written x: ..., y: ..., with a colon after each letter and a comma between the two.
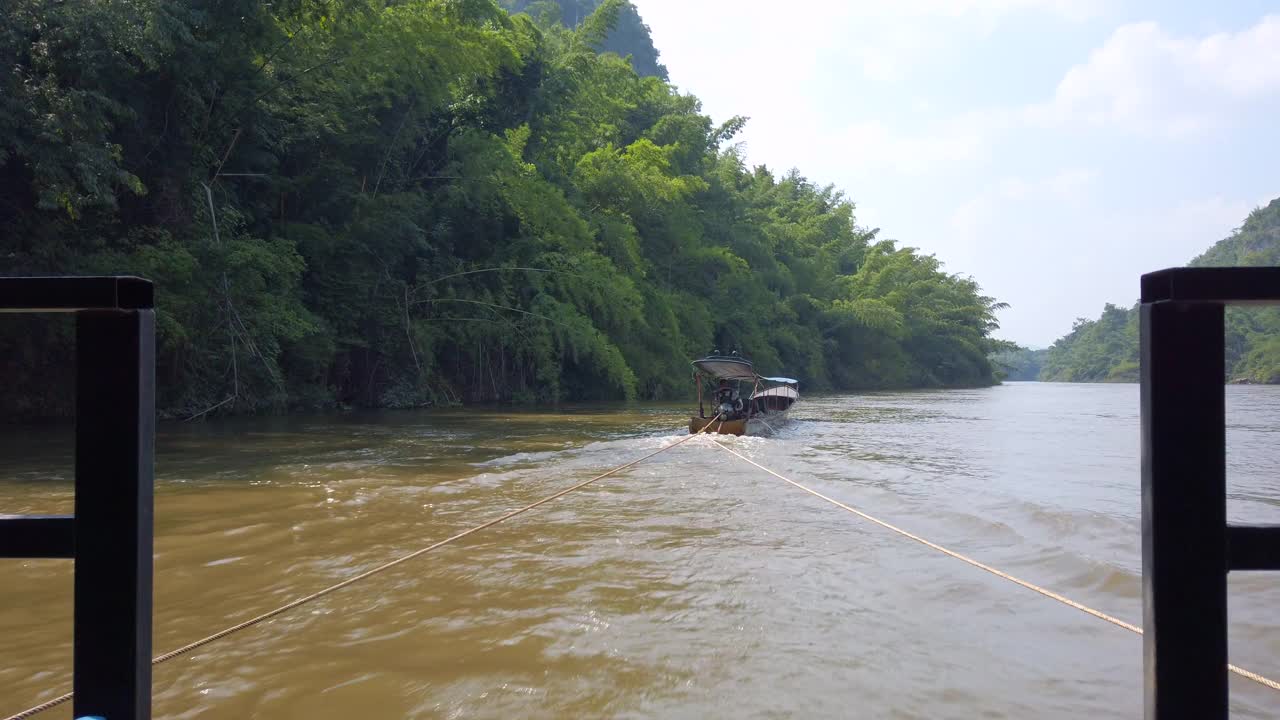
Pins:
x: 110, y: 535
x: 38, y: 536
x: 1253, y: 547
x: 1184, y: 516
x: 115, y: 430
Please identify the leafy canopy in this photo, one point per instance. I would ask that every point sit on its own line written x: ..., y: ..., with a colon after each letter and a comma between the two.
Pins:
x: 365, y: 203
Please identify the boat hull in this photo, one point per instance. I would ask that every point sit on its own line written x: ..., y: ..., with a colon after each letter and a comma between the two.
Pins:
x: 758, y: 425
x: 725, y: 427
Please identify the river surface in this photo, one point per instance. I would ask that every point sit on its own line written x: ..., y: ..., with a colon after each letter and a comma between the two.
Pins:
x: 690, y: 586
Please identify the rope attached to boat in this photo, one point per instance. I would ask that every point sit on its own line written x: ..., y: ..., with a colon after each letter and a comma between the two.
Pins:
x: 49, y: 704
x: 1242, y: 672
x: 61, y: 699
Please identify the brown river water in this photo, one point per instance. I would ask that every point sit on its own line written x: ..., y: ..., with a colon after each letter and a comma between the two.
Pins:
x: 690, y: 586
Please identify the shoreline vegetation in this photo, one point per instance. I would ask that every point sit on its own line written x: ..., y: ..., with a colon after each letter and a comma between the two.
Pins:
x: 361, y: 204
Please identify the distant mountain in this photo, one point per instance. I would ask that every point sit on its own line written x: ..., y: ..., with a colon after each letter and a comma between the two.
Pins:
x: 630, y: 36
x: 1106, y: 349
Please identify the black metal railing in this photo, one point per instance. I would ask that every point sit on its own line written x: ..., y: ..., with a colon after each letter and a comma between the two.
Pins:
x: 110, y: 535
x: 1187, y: 546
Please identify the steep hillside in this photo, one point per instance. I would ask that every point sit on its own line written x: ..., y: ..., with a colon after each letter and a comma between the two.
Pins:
x: 1106, y: 349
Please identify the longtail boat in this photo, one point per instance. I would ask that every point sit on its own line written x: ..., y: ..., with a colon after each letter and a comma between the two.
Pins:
x: 742, y: 402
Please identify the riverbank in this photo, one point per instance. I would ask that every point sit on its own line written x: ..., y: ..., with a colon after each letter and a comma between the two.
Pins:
x: 230, y: 410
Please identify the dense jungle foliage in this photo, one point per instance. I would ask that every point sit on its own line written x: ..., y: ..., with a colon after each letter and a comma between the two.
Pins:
x: 1018, y: 363
x: 1106, y: 349
x: 368, y: 203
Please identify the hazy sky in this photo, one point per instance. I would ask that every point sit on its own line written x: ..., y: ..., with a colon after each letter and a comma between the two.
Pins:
x: 1052, y: 149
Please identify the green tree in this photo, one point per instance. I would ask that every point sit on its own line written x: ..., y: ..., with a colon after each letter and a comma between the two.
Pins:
x: 362, y: 203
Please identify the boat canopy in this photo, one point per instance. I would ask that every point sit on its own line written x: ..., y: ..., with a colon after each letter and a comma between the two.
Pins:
x: 726, y: 367
x: 733, y: 367
x: 781, y: 391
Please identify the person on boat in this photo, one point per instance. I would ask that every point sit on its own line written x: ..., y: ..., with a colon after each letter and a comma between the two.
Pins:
x: 727, y: 399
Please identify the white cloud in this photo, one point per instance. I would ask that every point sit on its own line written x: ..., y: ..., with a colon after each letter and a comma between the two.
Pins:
x: 1071, y: 184
x: 1023, y: 174
x: 894, y: 38
x: 1142, y: 79
x: 874, y: 146
x: 973, y: 217
x: 993, y: 9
